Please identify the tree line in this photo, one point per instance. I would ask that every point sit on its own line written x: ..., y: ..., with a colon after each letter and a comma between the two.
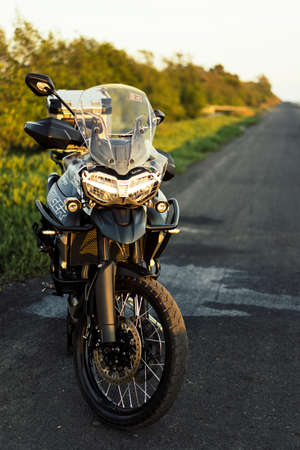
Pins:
x: 181, y: 89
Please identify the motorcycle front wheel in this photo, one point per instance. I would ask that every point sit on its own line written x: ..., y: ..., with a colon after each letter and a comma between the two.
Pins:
x: 134, y: 381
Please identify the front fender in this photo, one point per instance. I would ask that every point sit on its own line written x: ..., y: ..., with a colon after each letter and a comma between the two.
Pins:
x: 133, y: 270
x: 119, y: 224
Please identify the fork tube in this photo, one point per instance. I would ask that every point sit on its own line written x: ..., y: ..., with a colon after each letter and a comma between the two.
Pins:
x: 105, y: 293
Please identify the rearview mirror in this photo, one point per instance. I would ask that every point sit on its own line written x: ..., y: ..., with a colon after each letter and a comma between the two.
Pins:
x: 40, y: 84
x: 159, y: 116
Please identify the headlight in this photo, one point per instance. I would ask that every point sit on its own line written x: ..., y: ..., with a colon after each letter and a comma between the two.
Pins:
x: 107, y: 189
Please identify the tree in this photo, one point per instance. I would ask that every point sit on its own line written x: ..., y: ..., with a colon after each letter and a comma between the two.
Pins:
x: 180, y: 89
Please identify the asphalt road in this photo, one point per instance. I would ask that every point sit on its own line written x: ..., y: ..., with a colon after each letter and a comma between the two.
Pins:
x: 233, y: 272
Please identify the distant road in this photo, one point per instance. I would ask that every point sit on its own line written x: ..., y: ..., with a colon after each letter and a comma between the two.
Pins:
x: 234, y: 272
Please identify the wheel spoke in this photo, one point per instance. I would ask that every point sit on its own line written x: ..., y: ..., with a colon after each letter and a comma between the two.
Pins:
x: 121, y: 312
x: 129, y: 394
x: 137, y: 307
x: 161, y: 365
x: 153, y: 373
x: 155, y: 340
x: 156, y: 330
x: 135, y: 390
x: 141, y: 389
x: 137, y: 310
x: 144, y: 313
x: 121, y: 397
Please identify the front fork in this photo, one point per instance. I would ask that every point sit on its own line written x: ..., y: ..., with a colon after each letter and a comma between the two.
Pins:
x: 105, y: 301
x: 104, y: 290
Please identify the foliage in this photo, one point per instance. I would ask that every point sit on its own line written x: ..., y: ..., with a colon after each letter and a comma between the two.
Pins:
x: 23, y: 179
x: 181, y: 88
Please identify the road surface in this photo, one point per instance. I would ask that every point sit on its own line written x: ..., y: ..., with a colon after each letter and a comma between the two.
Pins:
x: 234, y: 273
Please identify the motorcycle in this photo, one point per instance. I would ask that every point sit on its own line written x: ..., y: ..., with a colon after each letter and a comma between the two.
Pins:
x: 104, y: 225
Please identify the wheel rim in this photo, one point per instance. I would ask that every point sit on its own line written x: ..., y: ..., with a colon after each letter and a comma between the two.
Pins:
x: 129, y: 393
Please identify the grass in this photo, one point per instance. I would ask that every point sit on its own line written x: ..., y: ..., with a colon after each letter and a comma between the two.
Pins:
x: 170, y: 136
x: 197, y: 148
x: 23, y: 179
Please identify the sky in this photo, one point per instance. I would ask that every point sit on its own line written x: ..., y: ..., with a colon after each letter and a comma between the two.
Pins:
x: 247, y: 38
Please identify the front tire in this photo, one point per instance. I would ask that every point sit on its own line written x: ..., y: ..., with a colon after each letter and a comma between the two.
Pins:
x: 135, y: 381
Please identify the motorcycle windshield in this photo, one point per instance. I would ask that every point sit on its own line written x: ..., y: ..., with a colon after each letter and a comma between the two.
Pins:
x: 118, y: 125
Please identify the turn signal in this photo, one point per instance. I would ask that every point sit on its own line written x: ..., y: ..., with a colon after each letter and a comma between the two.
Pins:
x: 174, y: 231
x: 161, y: 207
x: 73, y: 205
x: 49, y: 232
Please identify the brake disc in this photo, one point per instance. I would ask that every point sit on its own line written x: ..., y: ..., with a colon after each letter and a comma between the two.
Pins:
x: 118, y: 362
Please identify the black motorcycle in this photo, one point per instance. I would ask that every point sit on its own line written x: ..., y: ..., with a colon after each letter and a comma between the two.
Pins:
x: 104, y: 225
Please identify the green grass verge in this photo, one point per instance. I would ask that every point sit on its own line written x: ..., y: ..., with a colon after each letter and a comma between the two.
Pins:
x: 23, y: 179
x: 170, y: 136
x: 197, y: 148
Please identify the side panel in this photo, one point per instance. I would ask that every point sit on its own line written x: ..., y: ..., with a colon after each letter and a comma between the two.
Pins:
x: 56, y: 203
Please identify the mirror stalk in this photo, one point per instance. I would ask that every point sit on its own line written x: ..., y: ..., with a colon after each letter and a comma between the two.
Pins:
x: 63, y: 102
